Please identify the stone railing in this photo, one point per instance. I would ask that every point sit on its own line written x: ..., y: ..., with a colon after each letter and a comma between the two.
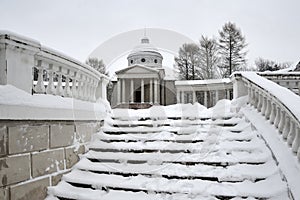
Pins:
x: 29, y: 66
x: 206, y: 92
x: 277, y: 104
x: 41, y: 133
x: 290, y: 80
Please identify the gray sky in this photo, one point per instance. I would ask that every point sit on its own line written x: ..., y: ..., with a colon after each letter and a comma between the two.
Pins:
x: 78, y: 27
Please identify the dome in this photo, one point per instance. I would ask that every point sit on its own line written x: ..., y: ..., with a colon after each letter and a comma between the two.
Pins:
x: 145, y: 54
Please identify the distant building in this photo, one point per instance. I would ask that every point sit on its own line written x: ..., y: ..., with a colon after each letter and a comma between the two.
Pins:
x: 144, y: 83
x: 297, y: 68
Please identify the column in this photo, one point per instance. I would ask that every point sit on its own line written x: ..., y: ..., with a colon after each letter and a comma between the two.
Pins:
x: 205, y: 99
x: 119, y: 91
x: 178, y: 96
x: 123, y: 91
x: 228, y: 94
x: 155, y: 91
x: 182, y: 97
x: 131, y: 91
x: 142, y: 91
x: 151, y: 92
x: 217, y: 96
x: 194, y: 97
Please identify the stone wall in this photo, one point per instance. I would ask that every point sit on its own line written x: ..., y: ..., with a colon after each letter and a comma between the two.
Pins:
x: 35, y: 154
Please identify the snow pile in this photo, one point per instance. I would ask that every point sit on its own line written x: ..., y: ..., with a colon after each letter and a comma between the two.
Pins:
x: 11, y: 96
x: 223, y: 108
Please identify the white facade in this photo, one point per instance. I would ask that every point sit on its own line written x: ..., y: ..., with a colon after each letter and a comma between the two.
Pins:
x: 143, y: 83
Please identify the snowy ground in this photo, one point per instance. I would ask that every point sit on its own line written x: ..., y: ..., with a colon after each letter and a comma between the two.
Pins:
x: 176, y: 152
x: 18, y: 104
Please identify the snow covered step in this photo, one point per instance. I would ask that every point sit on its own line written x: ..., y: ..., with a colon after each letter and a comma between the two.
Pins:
x: 232, y: 173
x: 90, y: 194
x: 178, y: 123
x: 215, y: 158
x: 178, y: 130
x: 192, y: 187
x: 221, y: 134
x: 209, y: 146
x: 141, y: 117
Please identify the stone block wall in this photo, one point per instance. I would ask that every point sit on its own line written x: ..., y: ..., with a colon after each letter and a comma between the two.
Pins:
x: 35, y: 154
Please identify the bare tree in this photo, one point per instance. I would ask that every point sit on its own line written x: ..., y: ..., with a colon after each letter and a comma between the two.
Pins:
x: 187, y: 61
x: 232, y: 49
x: 97, y: 64
x: 270, y: 65
x: 209, y: 58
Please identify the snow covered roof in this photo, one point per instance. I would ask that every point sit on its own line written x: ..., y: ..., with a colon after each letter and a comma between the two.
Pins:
x: 202, y: 82
x: 140, y: 66
x: 145, y: 46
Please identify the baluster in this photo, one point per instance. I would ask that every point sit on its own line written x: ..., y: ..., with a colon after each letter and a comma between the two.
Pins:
x: 249, y: 94
x: 268, y: 109
x: 255, y: 93
x: 95, y: 84
x: 287, y: 128
x: 67, y: 90
x: 264, y: 106
x: 89, y: 89
x: 253, y: 96
x: 74, y: 86
x: 85, y: 89
x: 282, y: 121
x: 79, y: 87
x: 277, y: 119
x: 273, y: 112
x: 260, y: 98
x: 291, y: 134
x: 59, y: 88
x: 40, y: 87
x: 296, y: 142
x: 50, y: 87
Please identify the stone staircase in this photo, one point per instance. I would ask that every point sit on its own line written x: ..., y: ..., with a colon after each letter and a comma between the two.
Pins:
x: 175, y: 159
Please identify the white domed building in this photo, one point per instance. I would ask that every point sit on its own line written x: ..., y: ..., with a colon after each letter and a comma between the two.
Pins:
x: 143, y: 82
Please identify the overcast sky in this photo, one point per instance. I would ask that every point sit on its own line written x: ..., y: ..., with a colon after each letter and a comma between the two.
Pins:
x: 78, y: 27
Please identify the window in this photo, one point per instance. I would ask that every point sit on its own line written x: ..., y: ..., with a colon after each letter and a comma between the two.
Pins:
x: 143, y: 60
x: 155, y: 60
x: 131, y: 61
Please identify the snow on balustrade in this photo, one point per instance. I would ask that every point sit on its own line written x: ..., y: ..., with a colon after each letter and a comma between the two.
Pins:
x: 46, y: 71
x: 277, y: 104
x: 58, y: 75
x: 37, y: 82
x: 288, y: 80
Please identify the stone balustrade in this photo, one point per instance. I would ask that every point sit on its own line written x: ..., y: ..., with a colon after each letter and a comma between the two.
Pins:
x: 29, y: 66
x: 290, y: 80
x: 206, y: 92
x: 41, y: 136
x: 278, y: 107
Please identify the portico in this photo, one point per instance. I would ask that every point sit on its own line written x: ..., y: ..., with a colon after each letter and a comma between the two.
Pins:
x: 139, y: 85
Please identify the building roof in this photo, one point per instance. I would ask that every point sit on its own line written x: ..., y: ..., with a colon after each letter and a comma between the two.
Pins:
x: 202, y: 82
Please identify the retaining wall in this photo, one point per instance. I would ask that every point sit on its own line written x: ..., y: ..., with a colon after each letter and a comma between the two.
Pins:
x: 35, y: 154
